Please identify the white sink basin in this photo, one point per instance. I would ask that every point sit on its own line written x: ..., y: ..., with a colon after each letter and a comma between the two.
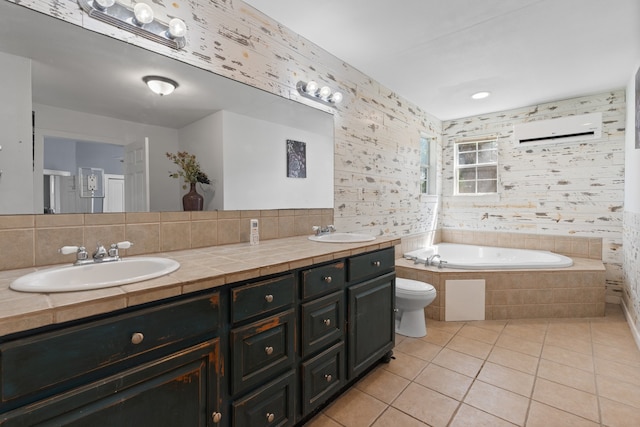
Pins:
x: 342, y: 238
x: 94, y: 276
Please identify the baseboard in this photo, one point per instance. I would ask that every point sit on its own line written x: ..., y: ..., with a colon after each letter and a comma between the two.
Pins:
x: 632, y: 326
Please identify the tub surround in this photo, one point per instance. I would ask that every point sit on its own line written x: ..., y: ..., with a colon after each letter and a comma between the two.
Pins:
x: 202, y: 268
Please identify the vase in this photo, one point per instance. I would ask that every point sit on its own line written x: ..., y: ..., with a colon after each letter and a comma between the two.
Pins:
x: 192, y: 201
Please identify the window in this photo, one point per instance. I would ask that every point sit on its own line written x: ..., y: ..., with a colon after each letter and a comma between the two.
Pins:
x: 476, y: 167
x: 427, y: 165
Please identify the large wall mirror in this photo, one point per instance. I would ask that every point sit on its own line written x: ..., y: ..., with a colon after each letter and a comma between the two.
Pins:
x: 74, y: 107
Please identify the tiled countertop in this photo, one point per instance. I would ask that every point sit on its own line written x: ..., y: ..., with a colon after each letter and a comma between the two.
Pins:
x: 200, y: 269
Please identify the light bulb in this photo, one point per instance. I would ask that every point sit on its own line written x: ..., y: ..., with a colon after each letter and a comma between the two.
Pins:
x: 480, y: 95
x: 103, y: 4
x: 311, y: 87
x: 336, y: 98
x: 325, y: 92
x: 143, y: 13
x: 177, y: 28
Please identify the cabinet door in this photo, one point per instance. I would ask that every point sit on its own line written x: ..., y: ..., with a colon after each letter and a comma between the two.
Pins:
x: 322, y: 322
x: 272, y: 405
x: 371, y: 322
x: 179, y: 390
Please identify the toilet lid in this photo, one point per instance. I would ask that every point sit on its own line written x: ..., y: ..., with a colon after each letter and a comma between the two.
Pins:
x: 408, y: 286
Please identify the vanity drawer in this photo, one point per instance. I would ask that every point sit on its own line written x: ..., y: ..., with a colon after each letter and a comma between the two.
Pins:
x: 261, y: 349
x: 322, y: 322
x: 33, y: 364
x: 322, y: 376
x: 271, y: 405
x: 262, y: 297
x: 371, y: 264
x: 322, y: 280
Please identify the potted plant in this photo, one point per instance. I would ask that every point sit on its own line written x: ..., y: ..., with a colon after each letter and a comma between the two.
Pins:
x: 189, y: 170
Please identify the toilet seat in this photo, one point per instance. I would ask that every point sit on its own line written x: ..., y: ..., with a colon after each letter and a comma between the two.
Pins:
x: 413, y: 287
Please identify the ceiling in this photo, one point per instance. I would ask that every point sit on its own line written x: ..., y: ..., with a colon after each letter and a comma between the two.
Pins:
x: 437, y: 53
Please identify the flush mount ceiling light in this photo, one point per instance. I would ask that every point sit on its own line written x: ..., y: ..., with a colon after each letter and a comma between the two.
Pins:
x: 160, y: 85
x: 481, y: 95
x: 139, y: 20
x: 323, y: 94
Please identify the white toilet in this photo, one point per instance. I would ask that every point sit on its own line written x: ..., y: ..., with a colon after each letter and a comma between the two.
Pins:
x: 412, y: 297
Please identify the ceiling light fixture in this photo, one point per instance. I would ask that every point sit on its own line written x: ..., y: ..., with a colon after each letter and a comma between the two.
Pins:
x: 160, y: 85
x: 139, y: 20
x: 322, y: 94
x: 480, y: 95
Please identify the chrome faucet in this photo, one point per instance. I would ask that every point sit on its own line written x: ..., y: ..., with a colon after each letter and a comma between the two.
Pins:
x: 430, y: 260
x: 101, y: 254
x: 323, y: 230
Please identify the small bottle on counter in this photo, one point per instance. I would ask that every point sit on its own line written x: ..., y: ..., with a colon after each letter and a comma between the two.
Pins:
x: 254, y: 235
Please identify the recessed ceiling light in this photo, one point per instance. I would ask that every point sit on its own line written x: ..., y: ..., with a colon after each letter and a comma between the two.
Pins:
x: 480, y: 95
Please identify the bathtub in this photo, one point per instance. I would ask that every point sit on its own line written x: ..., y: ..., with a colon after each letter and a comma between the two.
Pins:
x: 472, y: 257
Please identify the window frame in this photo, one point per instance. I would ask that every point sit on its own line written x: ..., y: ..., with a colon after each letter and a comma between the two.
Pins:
x: 457, y: 168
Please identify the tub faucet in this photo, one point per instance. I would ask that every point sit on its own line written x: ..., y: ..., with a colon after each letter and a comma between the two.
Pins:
x: 431, y: 260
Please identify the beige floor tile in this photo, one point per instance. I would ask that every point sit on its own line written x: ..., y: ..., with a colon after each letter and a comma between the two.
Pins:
x: 507, y: 378
x: 607, y: 338
x: 428, y: 406
x: 450, y: 327
x: 620, y: 328
x: 541, y: 415
x: 321, y: 420
x: 622, y: 392
x: 383, y: 385
x: 445, y: 381
x: 492, y: 325
x: 627, y: 356
x: 514, y: 360
x: 459, y: 362
x: 437, y: 336
x: 355, y: 409
x: 573, y: 343
x: 567, y: 375
x: 568, y: 357
x: 496, y: 401
x: 514, y: 343
x: 568, y: 399
x: 468, y: 416
x: 470, y: 346
x: 528, y: 330
x: 477, y: 333
x: 405, y: 365
x: 615, y: 414
x: 570, y: 328
x: 394, y: 418
x: 619, y: 371
x: 419, y: 348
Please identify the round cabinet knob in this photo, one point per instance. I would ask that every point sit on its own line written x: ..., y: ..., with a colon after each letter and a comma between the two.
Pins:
x: 268, y: 298
x: 327, y: 279
x: 328, y: 377
x: 268, y: 350
x: 327, y: 322
x: 137, y: 338
x: 270, y: 417
x: 216, y: 417
x: 376, y: 263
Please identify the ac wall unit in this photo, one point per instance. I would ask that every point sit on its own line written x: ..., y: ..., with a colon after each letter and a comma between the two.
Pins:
x: 584, y: 127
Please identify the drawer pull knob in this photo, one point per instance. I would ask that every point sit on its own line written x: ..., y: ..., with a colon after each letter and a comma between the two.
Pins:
x: 376, y: 263
x: 270, y: 417
x: 327, y: 322
x: 327, y: 279
x: 328, y: 377
x: 137, y: 338
x: 217, y: 416
x: 268, y: 350
x: 268, y: 298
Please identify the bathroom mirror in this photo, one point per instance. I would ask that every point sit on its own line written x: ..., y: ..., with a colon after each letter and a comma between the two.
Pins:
x: 87, y: 95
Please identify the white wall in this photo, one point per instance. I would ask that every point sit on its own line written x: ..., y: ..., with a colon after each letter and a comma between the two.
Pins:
x: 16, y: 178
x: 246, y: 158
x: 59, y: 122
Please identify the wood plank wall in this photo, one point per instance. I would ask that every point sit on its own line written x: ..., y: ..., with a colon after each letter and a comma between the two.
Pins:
x: 562, y: 189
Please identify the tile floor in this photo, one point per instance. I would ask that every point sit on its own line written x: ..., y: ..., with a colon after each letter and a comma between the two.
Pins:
x: 534, y: 373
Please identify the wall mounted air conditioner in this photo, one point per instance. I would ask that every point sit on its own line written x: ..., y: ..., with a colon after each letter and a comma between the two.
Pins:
x: 584, y: 127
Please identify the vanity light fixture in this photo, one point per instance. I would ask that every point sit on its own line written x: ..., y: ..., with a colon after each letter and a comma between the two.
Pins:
x: 139, y: 20
x: 160, y: 85
x: 322, y: 94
